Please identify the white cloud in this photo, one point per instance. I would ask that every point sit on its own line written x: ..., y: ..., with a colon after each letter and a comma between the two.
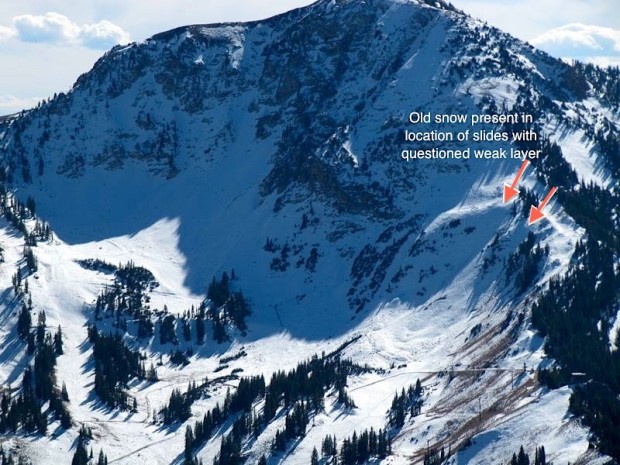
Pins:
x: 50, y: 27
x: 6, y: 33
x: 11, y: 104
x: 586, y: 43
x: 603, y: 61
x: 580, y: 35
x: 55, y: 28
x: 103, y: 35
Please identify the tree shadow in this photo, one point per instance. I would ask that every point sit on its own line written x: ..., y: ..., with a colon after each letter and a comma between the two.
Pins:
x: 11, y: 349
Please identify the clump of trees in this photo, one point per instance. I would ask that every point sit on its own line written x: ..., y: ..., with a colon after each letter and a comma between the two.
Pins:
x: 115, y: 366
x: 523, y: 266
x: 408, y: 402
x: 39, y: 384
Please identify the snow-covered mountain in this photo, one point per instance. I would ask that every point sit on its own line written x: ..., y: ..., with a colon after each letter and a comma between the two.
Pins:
x: 274, y: 149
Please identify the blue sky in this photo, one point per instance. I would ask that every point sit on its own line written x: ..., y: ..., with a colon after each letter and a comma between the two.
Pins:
x: 46, y: 44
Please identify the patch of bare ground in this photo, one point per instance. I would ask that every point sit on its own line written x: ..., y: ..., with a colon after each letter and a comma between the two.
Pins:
x: 484, y: 378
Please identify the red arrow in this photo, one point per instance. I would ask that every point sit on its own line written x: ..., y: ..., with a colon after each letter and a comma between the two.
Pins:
x: 510, y: 191
x: 536, y: 214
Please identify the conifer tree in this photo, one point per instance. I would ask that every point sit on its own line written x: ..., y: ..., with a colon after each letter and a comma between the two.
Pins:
x: 80, y: 457
x: 58, y: 341
x: 24, y: 322
x: 314, y: 460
